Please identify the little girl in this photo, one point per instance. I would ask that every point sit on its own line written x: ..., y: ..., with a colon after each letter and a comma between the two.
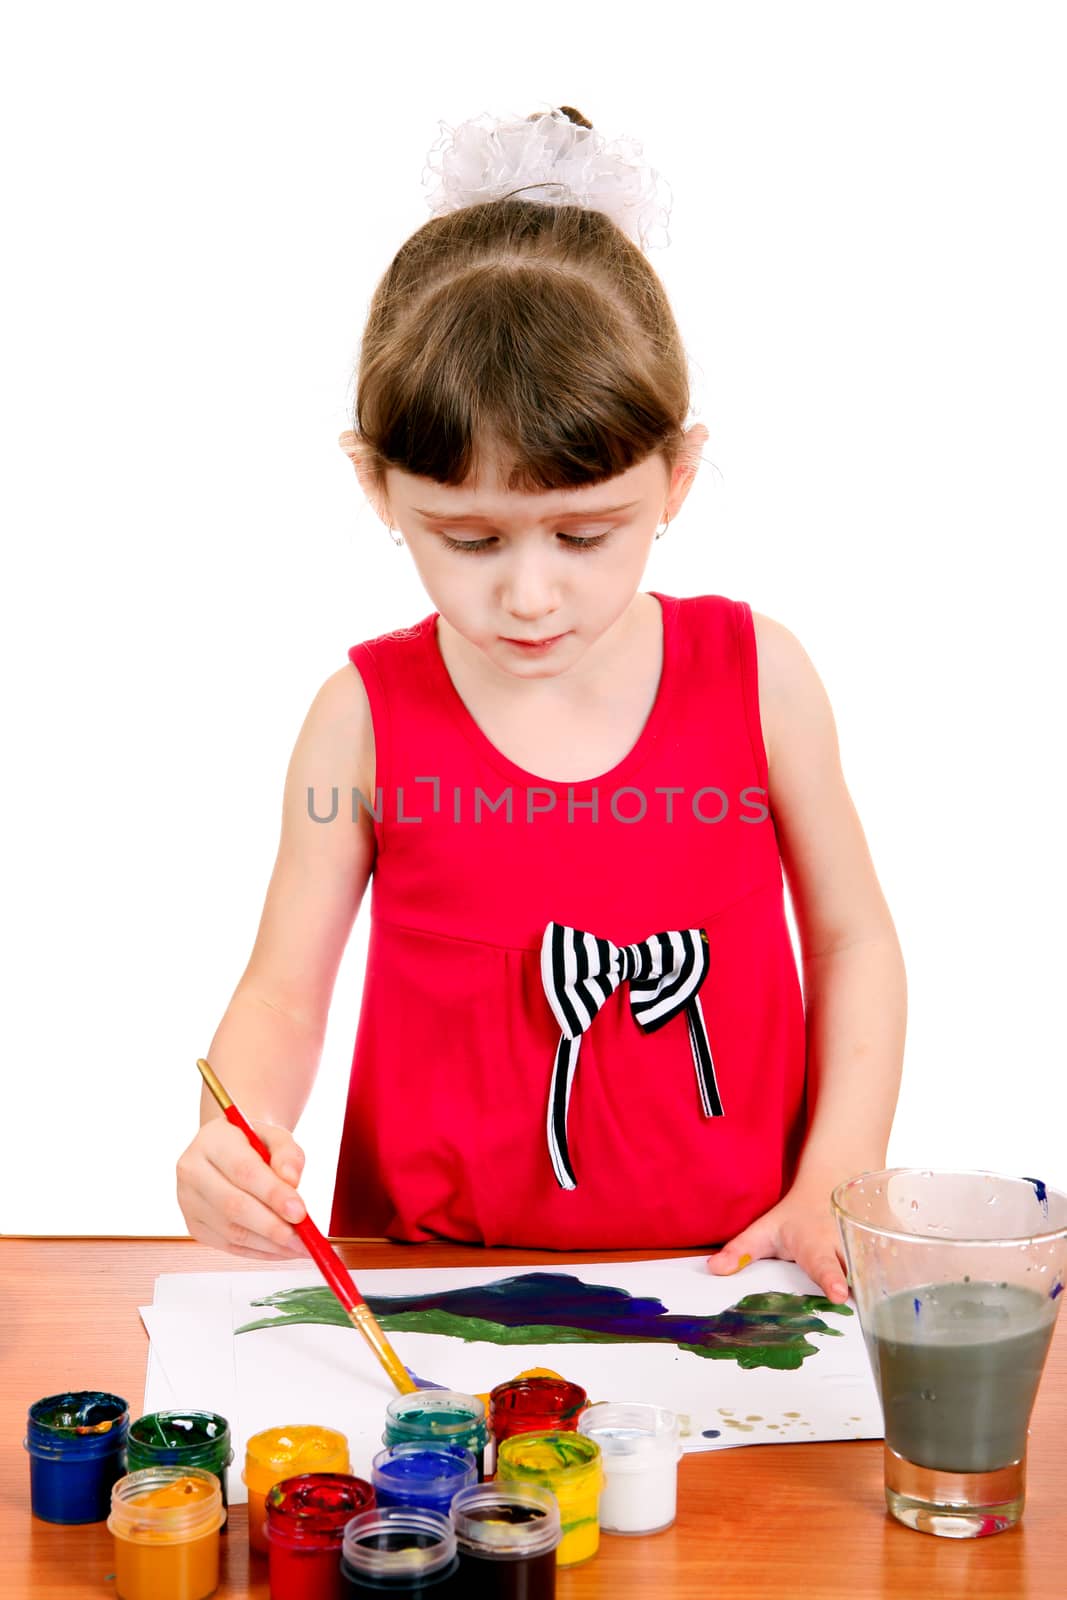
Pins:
x: 582, y: 1023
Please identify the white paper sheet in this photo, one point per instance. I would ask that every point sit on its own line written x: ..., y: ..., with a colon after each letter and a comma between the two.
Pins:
x: 309, y: 1373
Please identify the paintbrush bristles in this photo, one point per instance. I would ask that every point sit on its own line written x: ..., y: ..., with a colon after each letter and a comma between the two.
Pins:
x: 364, y: 1319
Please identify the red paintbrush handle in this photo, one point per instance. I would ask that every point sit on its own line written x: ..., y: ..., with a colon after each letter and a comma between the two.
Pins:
x: 329, y: 1264
x: 318, y: 1246
x: 233, y: 1115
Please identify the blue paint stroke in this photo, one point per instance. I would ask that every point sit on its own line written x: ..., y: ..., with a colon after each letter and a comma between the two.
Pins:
x: 1040, y: 1191
x: 760, y: 1330
x: 1057, y: 1288
x: 710, y: 1433
x: 918, y: 1306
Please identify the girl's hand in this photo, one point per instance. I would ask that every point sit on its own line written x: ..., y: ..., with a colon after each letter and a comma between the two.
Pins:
x: 799, y: 1228
x: 231, y: 1199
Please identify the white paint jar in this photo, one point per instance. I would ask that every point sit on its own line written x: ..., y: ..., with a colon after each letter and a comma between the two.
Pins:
x: 640, y: 1452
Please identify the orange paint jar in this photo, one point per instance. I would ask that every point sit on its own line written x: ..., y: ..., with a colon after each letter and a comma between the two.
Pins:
x: 279, y: 1453
x: 165, y: 1522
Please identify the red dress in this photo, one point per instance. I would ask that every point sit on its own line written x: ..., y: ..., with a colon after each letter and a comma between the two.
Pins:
x: 582, y: 1025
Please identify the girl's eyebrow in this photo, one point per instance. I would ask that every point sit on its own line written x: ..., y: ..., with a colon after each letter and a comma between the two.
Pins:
x: 555, y: 516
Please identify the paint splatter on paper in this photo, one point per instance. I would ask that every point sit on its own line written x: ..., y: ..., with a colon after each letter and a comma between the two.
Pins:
x: 760, y: 1330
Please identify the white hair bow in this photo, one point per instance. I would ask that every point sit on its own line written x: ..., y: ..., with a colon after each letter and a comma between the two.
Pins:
x: 486, y: 157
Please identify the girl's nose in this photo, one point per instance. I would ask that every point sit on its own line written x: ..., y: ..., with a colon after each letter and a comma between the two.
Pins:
x: 528, y: 594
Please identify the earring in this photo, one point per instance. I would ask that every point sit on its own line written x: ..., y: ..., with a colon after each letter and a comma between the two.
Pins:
x: 661, y: 531
x: 395, y: 540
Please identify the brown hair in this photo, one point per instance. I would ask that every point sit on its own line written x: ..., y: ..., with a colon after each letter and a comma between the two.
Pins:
x: 534, y: 333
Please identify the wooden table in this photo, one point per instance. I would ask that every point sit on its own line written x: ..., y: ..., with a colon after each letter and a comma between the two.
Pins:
x: 786, y: 1522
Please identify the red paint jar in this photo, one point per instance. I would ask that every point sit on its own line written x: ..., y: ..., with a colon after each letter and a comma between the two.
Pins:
x: 305, y: 1526
x: 535, y: 1405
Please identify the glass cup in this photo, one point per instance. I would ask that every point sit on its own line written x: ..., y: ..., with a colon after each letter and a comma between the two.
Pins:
x: 957, y: 1277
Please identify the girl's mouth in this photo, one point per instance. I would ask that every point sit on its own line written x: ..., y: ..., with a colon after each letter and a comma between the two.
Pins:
x: 535, y: 646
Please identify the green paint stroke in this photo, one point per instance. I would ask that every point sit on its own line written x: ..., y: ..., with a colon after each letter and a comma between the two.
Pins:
x: 540, y: 1308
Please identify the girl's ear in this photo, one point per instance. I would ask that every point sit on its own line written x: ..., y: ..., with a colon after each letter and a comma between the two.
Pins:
x: 695, y: 439
x: 355, y: 450
x: 349, y: 442
x: 685, y: 469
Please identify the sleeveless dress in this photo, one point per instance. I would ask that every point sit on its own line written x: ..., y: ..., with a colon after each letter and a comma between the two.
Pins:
x: 506, y: 1087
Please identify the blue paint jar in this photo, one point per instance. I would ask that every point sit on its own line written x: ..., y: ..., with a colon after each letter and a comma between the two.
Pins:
x: 77, y: 1447
x: 422, y: 1474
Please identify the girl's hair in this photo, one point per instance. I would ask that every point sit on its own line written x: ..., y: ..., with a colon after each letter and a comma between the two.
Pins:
x: 534, y: 334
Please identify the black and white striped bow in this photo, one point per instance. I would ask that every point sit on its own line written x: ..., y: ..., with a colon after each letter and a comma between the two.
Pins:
x: 579, y: 971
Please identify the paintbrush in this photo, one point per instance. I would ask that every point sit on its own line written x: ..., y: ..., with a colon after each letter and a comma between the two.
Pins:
x: 322, y: 1252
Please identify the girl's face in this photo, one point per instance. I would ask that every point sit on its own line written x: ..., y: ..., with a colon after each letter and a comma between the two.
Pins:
x: 504, y: 569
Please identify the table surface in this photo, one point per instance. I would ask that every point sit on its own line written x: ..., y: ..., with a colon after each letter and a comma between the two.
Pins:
x: 768, y: 1520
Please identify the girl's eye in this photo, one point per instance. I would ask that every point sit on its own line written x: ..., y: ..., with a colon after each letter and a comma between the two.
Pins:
x: 572, y: 541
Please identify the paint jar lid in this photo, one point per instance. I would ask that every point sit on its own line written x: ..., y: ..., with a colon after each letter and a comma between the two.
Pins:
x: 77, y: 1423
x: 549, y: 1458
x: 506, y: 1521
x: 632, y: 1437
x: 311, y: 1510
x: 437, y: 1404
x: 166, y: 1505
x: 423, y: 1466
x: 176, y: 1438
x: 398, y: 1545
x: 535, y: 1402
x: 466, y: 1406
x: 443, y: 1414
x: 305, y: 1447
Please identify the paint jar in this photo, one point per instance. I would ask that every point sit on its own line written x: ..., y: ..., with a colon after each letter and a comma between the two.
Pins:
x: 306, y: 1519
x: 535, y: 1405
x: 166, y: 1521
x: 568, y: 1464
x: 77, y: 1447
x: 400, y: 1550
x: 182, y: 1439
x: 439, y: 1416
x: 279, y: 1453
x: 506, y: 1535
x: 422, y: 1474
x: 640, y: 1451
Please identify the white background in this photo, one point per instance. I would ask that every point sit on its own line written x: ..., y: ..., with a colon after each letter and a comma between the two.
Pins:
x: 867, y: 263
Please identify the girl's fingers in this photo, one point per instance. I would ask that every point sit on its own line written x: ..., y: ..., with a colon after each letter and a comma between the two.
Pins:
x: 754, y: 1243
x: 731, y: 1258
x: 241, y: 1219
x: 812, y: 1243
x: 203, y: 1232
x: 233, y: 1158
x: 826, y: 1272
x: 286, y: 1156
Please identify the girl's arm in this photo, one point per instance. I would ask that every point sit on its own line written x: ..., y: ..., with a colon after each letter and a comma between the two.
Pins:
x: 855, y: 989
x: 267, y: 1048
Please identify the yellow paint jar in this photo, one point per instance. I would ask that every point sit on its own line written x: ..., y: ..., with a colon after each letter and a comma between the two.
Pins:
x: 279, y: 1453
x: 568, y: 1464
x: 165, y: 1522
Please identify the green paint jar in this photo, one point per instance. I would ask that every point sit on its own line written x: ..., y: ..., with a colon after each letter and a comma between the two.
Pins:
x: 438, y: 1416
x: 181, y: 1439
